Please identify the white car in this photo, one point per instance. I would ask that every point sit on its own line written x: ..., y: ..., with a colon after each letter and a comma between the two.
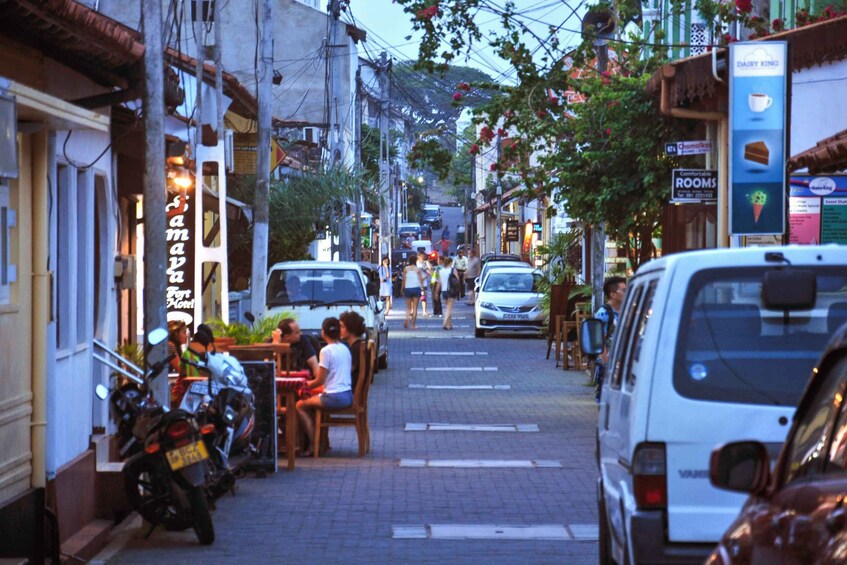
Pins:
x: 496, y: 264
x: 508, y: 299
x: 316, y: 290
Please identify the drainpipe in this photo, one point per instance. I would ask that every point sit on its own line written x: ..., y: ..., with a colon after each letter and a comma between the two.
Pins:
x: 42, y: 146
x: 668, y: 73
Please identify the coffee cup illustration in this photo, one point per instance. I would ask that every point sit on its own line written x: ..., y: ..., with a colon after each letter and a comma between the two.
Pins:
x: 759, y: 102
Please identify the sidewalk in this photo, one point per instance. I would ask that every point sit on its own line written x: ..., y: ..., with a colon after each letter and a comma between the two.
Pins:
x: 342, y: 508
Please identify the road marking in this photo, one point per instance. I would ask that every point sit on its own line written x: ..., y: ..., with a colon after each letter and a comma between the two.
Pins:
x: 445, y: 337
x: 481, y: 464
x: 461, y: 387
x: 432, y: 427
x: 553, y: 532
x: 453, y: 353
x: 453, y: 369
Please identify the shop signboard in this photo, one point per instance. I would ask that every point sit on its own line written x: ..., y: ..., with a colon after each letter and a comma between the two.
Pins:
x: 179, y: 239
x: 682, y: 148
x: 757, y: 109
x: 513, y: 230
x: 817, y: 209
x: 694, y: 185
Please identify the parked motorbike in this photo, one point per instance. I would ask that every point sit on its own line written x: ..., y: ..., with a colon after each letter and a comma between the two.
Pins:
x: 224, y: 401
x: 166, y: 460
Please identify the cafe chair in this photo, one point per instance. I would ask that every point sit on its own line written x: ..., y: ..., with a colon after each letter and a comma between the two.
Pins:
x: 355, y: 415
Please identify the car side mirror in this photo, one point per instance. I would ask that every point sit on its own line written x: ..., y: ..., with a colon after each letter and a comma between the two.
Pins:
x: 742, y: 466
x: 591, y: 338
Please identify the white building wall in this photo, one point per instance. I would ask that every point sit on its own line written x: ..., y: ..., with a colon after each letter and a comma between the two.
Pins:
x: 818, y: 104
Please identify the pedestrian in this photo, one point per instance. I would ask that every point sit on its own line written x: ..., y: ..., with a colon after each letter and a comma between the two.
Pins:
x: 449, y: 281
x: 460, y: 263
x: 471, y: 274
x: 435, y: 287
x: 385, y: 293
x: 412, y: 283
x: 445, y: 245
x: 334, y: 375
x: 426, y: 272
x: 609, y: 313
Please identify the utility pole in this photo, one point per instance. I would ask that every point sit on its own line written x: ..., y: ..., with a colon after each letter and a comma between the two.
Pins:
x: 357, y: 167
x: 258, y: 276
x: 385, y: 222
x: 499, y: 199
x: 155, y: 256
x: 598, y: 230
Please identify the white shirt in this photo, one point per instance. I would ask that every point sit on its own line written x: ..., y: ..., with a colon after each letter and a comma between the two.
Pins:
x: 444, y: 278
x: 335, y: 358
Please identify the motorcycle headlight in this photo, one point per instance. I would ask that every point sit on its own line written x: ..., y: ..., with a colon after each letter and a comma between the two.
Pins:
x: 487, y: 306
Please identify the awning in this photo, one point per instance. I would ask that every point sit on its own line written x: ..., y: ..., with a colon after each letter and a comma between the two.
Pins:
x: 36, y: 106
x: 827, y: 156
x: 505, y: 199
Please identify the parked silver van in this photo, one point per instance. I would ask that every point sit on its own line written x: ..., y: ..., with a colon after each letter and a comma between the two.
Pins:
x: 700, y: 358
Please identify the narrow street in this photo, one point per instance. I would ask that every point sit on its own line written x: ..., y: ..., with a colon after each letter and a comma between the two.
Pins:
x: 424, y: 494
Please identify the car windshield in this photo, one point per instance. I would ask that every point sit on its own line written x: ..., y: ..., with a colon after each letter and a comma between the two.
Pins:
x: 290, y: 287
x: 732, y: 349
x: 512, y: 282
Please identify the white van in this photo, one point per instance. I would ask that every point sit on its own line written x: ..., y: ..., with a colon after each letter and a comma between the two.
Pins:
x: 316, y: 290
x: 698, y: 360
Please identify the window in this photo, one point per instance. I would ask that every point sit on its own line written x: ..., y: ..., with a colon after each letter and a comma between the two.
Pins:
x: 8, y: 273
x: 290, y: 287
x: 807, y: 448
x: 623, y: 334
x: 644, y: 316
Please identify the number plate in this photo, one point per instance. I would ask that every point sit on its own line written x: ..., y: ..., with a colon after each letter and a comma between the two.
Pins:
x: 516, y: 316
x: 187, y: 455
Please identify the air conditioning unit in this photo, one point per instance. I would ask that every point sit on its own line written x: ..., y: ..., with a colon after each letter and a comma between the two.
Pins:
x: 229, y: 150
x: 311, y: 134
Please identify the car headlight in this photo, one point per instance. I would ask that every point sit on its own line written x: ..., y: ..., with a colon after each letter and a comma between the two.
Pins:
x: 487, y: 306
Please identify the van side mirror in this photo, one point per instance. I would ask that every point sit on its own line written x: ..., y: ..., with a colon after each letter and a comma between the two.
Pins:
x: 157, y: 336
x: 592, y: 341
x: 373, y: 288
x: 789, y: 289
x: 742, y: 466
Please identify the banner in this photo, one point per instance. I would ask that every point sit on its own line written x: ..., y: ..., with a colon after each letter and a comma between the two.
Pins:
x: 757, y: 109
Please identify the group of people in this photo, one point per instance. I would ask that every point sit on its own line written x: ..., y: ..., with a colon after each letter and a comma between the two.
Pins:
x: 333, y: 368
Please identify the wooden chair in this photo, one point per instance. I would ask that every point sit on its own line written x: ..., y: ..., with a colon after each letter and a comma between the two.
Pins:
x: 355, y: 415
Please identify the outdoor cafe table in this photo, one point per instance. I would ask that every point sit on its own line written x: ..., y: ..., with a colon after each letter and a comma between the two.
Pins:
x: 287, y: 388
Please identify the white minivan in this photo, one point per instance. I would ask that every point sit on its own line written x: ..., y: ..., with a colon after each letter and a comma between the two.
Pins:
x: 700, y: 358
x: 316, y: 290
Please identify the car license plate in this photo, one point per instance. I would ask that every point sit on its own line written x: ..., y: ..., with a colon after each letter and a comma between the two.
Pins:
x: 516, y: 316
x: 187, y: 455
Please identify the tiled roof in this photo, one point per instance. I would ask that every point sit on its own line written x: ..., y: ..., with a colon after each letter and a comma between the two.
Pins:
x: 827, y: 156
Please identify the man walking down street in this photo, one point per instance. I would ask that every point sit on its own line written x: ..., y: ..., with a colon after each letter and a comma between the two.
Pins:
x: 471, y: 273
x: 460, y: 263
x: 614, y: 289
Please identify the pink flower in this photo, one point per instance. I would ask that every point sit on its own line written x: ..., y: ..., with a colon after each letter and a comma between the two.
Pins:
x: 778, y: 25
x: 485, y: 134
x: 474, y: 150
x: 457, y: 96
x: 464, y: 86
x: 542, y: 114
x: 501, y: 132
x: 744, y: 6
x: 608, y: 131
x: 554, y: 101
x: 428, y: 13
x: 493, y: 167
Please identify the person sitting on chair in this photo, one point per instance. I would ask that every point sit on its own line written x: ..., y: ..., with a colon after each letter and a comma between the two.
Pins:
x: 334, y: 374
x: 353, y: 332
x: 303, y: 352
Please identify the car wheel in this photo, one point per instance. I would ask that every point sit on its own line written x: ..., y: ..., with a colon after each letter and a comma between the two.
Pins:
x: 479, y: 332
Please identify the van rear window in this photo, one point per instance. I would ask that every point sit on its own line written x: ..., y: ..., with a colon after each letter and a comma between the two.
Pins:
x: 731, y: 349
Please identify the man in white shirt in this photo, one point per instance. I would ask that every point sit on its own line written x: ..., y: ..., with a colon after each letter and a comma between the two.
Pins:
x: 460, y: 263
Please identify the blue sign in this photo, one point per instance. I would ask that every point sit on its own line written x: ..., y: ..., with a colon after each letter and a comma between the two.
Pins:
x: 757, y: 110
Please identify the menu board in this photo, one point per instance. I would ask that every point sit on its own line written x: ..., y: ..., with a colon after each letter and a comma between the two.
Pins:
x: 817, y: 208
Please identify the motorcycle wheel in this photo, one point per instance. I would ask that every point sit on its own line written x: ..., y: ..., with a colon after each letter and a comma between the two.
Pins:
x: 151, y: 492
x: 201, y: 519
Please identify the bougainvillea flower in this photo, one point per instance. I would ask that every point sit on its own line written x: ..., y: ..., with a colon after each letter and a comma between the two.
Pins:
x: 474, y: 150
x: 457, y: 96
x: 744, y: 6
x: 428, y: 13
x: 485, y: 134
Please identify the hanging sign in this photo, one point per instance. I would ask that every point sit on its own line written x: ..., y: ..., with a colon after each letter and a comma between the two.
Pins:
x: 757, y: 105
x: 694, y: 185
x: 179, y: 238
x: 513, y: 230
x: 680, y: 148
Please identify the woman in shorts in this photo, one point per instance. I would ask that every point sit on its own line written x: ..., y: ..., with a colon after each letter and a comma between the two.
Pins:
x: 334, y: 375
x: 413, y: 285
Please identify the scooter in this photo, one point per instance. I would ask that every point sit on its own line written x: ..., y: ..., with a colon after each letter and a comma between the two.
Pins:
x: 166, y: 465
x: 225, y: 402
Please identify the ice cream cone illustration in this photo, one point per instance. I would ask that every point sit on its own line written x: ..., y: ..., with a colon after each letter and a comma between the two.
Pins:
x: 758, y: 199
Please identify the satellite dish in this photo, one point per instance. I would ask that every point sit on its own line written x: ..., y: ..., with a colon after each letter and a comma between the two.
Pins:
x: 601, y: 22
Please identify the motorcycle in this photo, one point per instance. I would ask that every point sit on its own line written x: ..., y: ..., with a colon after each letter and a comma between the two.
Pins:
x: 166, y: 461
x: 225, y: 402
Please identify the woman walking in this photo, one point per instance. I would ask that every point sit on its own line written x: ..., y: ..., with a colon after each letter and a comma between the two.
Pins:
x: 413, y: 285
x: 385, y: 283
x: 448, y: 294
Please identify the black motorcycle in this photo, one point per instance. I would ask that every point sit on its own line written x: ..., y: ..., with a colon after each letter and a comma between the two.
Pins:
x: 224, y: 402
x: 166, y: 459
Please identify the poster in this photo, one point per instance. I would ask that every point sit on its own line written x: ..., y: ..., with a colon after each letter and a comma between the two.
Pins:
x: 804, y: 218
x: 758, y: 73
x: 817, y: 209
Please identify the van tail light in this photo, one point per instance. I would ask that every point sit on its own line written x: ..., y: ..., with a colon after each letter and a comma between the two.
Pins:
x: 649, y: 476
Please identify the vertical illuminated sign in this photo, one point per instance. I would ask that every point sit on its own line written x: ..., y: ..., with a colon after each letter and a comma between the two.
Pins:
x: 757, y: 110
x: 179, y: 238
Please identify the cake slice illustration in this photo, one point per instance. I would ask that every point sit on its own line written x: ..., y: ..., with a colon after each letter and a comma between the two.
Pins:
x: 757, y: 152
x: 758, y: 199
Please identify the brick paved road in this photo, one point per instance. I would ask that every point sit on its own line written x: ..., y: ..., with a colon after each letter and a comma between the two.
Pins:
x: 340, y: 508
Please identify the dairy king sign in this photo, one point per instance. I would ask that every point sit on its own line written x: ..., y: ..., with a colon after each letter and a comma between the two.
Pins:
x: 179, y: 236
x: 694, y: 185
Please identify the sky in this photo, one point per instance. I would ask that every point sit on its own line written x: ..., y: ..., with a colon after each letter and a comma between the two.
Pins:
x: 387, y: 26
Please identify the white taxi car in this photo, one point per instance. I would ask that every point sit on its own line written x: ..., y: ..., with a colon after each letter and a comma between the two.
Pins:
x: 509, y: 300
